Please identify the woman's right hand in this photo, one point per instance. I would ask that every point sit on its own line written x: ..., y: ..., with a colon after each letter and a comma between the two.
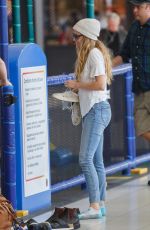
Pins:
x: 72, y: 84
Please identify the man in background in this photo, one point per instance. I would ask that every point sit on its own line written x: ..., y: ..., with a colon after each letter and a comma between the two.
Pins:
x: 137, y: 49
x: 114, y: 35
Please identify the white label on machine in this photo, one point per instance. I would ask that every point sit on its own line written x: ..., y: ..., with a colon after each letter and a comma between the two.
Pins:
x: 35, y: 130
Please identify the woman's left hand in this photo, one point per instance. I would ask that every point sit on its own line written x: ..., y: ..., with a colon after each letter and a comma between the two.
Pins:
x: 72, y: 84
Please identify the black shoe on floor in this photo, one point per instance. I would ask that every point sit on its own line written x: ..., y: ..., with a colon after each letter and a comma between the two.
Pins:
x: 58, y: 212
x: 70, y: 217
x: 31, y: 221
x: 65, y: 218
x: 40, y: 226
x: 148, y: 183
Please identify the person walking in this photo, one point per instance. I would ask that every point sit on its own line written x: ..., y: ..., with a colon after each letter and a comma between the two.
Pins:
x: 93, y: 72
x: 136, y: 48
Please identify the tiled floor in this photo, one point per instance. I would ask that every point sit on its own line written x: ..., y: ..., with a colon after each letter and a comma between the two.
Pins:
x: 128, y: 208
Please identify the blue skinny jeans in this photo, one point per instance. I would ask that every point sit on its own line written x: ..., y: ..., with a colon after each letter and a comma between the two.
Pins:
x: 91, y: 150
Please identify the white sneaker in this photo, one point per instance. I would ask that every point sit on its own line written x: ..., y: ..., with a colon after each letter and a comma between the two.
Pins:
x: 91, y: 213
x: 76, y: 113
x: 67, y: 96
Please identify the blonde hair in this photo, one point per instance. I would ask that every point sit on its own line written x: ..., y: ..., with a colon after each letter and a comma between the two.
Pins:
x: 82, y: 54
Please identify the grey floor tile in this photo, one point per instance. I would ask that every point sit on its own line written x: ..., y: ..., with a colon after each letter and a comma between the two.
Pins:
x: 128, y: 208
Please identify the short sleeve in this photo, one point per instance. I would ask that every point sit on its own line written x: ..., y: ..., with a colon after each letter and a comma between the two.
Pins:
x: 96, y: 63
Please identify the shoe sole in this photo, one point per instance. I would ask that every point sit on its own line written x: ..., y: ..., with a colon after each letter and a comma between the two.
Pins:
x: 76, y: 114
x: 61, y: 98
x: 90, y: 217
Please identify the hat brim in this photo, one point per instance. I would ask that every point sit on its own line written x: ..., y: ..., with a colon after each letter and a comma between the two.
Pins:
x: 134, y: 2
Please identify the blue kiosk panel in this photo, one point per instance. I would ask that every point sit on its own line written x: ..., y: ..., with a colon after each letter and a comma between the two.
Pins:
x: 28, y: 72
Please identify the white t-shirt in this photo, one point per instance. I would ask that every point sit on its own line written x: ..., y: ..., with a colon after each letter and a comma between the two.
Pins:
x: 94, y: 66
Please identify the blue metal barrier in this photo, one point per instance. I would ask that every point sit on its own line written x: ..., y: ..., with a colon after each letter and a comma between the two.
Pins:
x: 131, y: 159
x: 4, y: 32
x: 129, y: 117
x: 8, y: 178
x: 8, y: 144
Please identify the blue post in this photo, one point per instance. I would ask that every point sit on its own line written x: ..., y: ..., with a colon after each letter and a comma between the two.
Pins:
x: 16, y: 21
x: 130, y: 134
x: 30, y: 20
x: 90, y: 8
x: 8, y: 170
x: 2, y: 158
x: 8, y: 145
x: 4, y: 32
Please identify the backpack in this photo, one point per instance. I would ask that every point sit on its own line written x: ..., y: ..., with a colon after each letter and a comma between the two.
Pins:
x: 7, y: 214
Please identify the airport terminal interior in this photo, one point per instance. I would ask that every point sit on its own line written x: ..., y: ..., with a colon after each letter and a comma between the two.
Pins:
x: 128, y: 192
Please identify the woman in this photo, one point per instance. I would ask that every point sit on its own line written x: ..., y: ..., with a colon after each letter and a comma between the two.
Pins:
x: 93, y: 73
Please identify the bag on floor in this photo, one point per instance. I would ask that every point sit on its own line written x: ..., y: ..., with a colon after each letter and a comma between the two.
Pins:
x: 7, y: 214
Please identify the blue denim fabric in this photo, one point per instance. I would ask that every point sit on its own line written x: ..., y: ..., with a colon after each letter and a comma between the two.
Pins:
x: 91, y: 150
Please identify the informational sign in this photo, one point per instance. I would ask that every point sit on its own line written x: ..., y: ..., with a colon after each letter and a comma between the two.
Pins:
x: 35, y: 130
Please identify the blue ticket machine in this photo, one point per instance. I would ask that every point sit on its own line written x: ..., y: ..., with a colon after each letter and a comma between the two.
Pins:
x: 28, y: 72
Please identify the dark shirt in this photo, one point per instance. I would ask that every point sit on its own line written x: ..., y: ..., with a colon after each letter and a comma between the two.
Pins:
x: 113, y: 40
x: 137, y: 48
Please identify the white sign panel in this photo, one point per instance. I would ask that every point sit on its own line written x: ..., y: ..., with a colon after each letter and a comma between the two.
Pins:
x: 35, y: 130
